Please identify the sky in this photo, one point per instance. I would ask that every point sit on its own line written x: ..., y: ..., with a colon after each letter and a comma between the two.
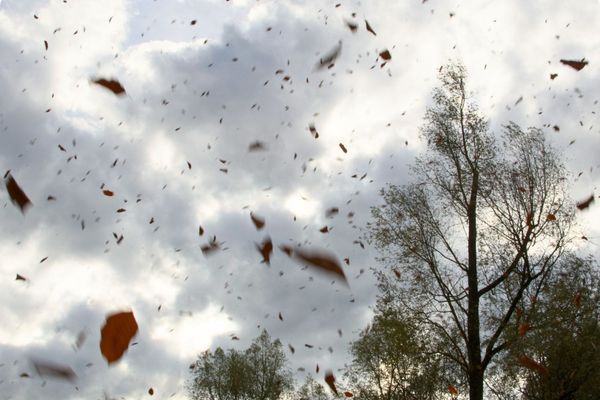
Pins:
x: 174, y: 151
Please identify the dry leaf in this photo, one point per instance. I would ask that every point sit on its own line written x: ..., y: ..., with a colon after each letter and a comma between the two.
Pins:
x: 532, y: 364
x: 313, y: 130
x: 550, y: 217
x: 385, y: 54
x: 523, y: 328
x: 369, y: 28
x: 452, y: 389
x: 20, y: 278
x: 257, y: 146
x: 586, y: 203
x: 259, y: 222
x: 112, y: 85
x: 323, y: 261
x: 16, y: 194
x: 578, y: 65
x: 343, y: 148
x: 348, y: 394
x: 265, y: 249
x: 116, y: 334
x: 352, y: 26
x: 151, y: 391
x: 331, y: 212
x: 328, y: 60
x: 45, y: 368
x: 330, y: 380
x: 108, y: 193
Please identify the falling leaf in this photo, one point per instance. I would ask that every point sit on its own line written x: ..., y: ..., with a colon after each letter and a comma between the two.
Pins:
x: 116, y: 334
x: 266, y: 249
x: 330, y: 380
x: 121, y: 210
x: 193, y: 22
x: 328, y: 60
x: 331, y: 212
x: 292, y: 348
x: 259, y: 222
x: 317, y: 369
x: 151, y: 391
x: 577, y: 300
x: 369, y: 28
x: 108, y: 193
x: 257, y: 146
x: 385, y: 54
x: 43, y: 259
x: 452, y: 389
x: 324, y: 229
x: 46, y: 44
x: 397, y: 273
x: 553, y: 76
x: 61, y: 148
x: 323, y: 261
x: 211, y: 247
x: 45, y: 368
x: 532, y: 365
x: 280, y: 317
x: 550, y: 217
x: 189, y: 165
x: 16, y: 194
x: 313, y: 130
x: 200, y: 230
x: 578, y: 65
x: 112, y: 85
x: 20, y: 278
x: 523, y: 328
x: 343, y: 148
x: 586, y: 203
x: 352, y: 26
x: 348, y: 394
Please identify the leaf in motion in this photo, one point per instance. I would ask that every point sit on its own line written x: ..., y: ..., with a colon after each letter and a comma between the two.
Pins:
x: 116, y: 334
x: 578, y: 65
x: 532, y: 364
x: 553, y: 76
x: 200, y: 230
x: 110, y: 84
x: 369, y: 28
x: 328, y: 60
x: 330, y: 380
x: 452, y: 390
x: 586, y: 203
x: 280, y: 316
x: 550, y: 217
x: 343, y: 148
x: 352, y: 26
x: 259, y: 222
x: 16, y: 194
x: 313, y: 130
x: 325, y: 262
x: 331, y: 212
x: 266, y: 249
x: 348, y: 394
x: 577, y: 300
x: 210, y: 247
x: 523, y: 328
x: 257, y: 146
x: 385, y: 54
x: 108, y: 193
x: 20, y: 278
x: 151, y: 391
x: 45, y: 368
x: 46, y: 44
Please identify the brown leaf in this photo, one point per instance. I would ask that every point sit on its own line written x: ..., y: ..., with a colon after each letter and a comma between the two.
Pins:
x: 121, y: 210
x: 348, y: 394
x: 331, y: 212
x: 116, y: 334
x: 452, y: 389
x: 259, y: 222
x: 330, y: 380
x: 385, y: 54
x: 578, y: 65
x: 43, y: 259
x: 211, y: 247
x: 586, y: 203
x: 343, y: 148
x: 532, y: 364
x: 550, y: 217
x: 46, y: 44
x: 291, y: 348
x: 328, y: 60
x: 553, y: 76
x: 313, y: 130
x: 108, y: 193
x: 369, y: 28
x: 523, y: 328
x: 577, y: 300
x: 200, y: 230
x: 352, y: 26
x: 16, y: 194
x: 20, y: 278
x: 61, y: 148
x: 324, y: 229
x: 45, y: 368
x: 266, y: 249
x: 189, y: 165
x: 326, y: 262
x: 112, y: 85
x: 151, y: 391
x: 397, y: 273
x: 193, y: 22
x: 257, y: 146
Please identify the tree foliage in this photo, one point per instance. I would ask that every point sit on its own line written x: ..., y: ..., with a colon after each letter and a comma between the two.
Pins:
x: 258, y: 373
x: 311, y: 390
x: 477, y: 232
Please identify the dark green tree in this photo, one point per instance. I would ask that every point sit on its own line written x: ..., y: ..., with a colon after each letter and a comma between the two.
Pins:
x: 478, y: 230
x: 259, y: 373
x: 561, y: 333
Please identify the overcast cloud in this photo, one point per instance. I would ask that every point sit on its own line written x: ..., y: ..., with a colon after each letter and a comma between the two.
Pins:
x: 201, y: 94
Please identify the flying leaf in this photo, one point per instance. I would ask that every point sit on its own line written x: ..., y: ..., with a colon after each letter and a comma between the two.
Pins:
x: 328, y: 60
x: 331, y: 212
x: 211, y: 247
x: 116, y: 334
x: 45, y: 368
x: 343, y: 148
x: 265, y: 249
x: 259, y: 222
x: 20, y: 278
x: 46, y: 44
x: 16, y: 194
x: 532, y: 364
x: 330, y: 380
x: 550, y: 217
x: 369, y: 28
x: 578, y: 65
x: 452, y: 389
x: 200, y: 230
x: 108, y: 193
x: 348, y: 394
x: 323, y: 261
x: 151, y: 391
x: 586, y: 203
x: 257, y: 146
x: 577, y: 300
x: 385, y: 54
x: 313, y: 130
x: 112, y: 85
x: 352, y: 26
x: 553, y: 76
x: 523, y: 328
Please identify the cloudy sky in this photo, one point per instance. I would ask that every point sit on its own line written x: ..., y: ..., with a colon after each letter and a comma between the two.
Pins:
x: 174, y: 151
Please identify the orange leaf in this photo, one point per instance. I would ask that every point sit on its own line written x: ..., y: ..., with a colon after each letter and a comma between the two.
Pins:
x: 385, y: 54
x: 259, y: 222
x: 348, y: 394
x: 523, y: 328
x: 108, y: 193
x: 330, y: 380
x: 112, y: 85
x: 452, y: 389
x: 532, y: 365
x: 116, y: 335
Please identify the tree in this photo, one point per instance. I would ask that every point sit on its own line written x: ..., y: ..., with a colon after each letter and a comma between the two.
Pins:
x: 477, y: 233
x: 311, y: 390
x: 259, y: 373
x: 561, y: 333
x: 392, y: 360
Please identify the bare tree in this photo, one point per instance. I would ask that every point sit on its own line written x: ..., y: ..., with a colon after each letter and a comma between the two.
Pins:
x: 475, y: 236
